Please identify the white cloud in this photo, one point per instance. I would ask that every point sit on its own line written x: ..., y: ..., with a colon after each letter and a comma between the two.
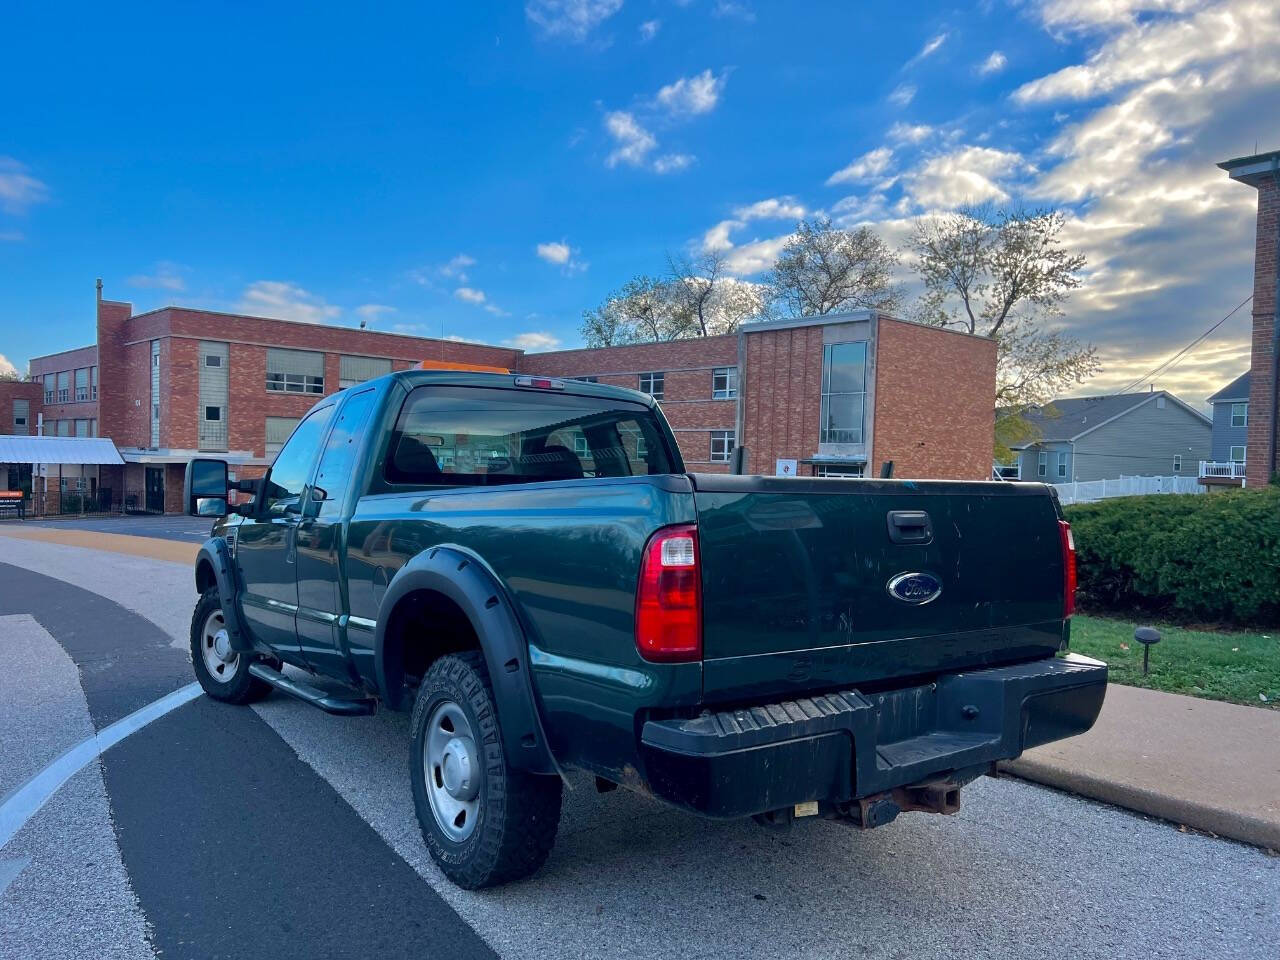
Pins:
x: 910, y: 133
x: 286, y: 301
x: 533, y: 341
x: 929, y: 49
x: 673, y: 162
x: 7, y: 369
x: 1090, y: 14
x: 370, y: 312
x: 902, y: 94
x: 996, y: 62
x: 717, y: 238
x: 469, y: 295
x: 18, y: 189
x: 456, y: 268
x: 734, y: 9
x: 634, y: 142
x: 554, y: 252
x: 774, y: 208
x: 165, y: 276
x: 966, y: 175
x: 756, y: 256
x: 570, y: 19
x: 649, y: 29
x: 868, y: 166
x: 690, y: 96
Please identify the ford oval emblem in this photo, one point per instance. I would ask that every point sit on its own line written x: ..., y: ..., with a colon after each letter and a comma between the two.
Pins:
x: 915, y: 588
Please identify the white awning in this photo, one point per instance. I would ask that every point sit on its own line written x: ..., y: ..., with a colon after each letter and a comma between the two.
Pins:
x: 58, y: 450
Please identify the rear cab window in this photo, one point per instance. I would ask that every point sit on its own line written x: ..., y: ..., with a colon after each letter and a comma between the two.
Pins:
x: 483, y: 436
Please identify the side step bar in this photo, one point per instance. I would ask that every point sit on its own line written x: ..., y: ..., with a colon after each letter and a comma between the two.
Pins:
x: 360, y: 707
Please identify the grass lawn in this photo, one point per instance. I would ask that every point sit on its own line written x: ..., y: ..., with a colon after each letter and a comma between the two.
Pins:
x: 1238, y: 667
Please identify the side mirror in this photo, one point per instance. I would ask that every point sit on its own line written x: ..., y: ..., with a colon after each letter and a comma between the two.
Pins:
x: 204, y: 488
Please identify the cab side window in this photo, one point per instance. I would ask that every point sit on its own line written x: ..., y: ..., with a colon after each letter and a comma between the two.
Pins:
x: 340, y: 451
x: 288, y: 475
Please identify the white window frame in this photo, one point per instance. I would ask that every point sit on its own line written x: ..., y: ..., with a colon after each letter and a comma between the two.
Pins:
x: 1243, y: 451
x: 295, y: 380
x: 1042, y: 464
x: 1244, y: 414
x: 843, y: 471
x: 82, y: 389
x: 729, y: 389
x: 1177, y: 463
x: 654, y: 383
x: 1062, y: 463
x: 725, y: 440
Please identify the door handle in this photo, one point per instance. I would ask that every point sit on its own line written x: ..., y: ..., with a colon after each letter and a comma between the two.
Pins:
x: 910, y: 527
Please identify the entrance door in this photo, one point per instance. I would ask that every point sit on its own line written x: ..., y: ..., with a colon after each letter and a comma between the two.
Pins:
x: 155, y: 490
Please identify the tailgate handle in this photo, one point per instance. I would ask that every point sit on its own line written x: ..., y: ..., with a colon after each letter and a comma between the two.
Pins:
x: 910, y: 526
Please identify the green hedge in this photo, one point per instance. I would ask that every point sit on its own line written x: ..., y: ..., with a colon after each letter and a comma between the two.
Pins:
x: 1212, y: 557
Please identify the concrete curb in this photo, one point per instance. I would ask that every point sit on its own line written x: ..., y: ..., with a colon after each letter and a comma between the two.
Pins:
x: 1202, y: 816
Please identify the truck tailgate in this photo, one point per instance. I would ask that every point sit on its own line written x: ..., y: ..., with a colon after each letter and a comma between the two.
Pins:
x: 797, y: 573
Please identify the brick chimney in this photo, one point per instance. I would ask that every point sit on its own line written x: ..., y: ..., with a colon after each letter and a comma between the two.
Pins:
x: 1262, y: 172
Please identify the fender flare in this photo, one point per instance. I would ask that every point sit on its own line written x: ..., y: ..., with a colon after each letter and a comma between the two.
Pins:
x: 463, y: 577
x: 215, y: 553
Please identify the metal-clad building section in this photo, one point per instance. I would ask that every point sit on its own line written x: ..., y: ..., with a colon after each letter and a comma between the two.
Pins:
x: 155, y: 394
x: 295, y: 371
x: 353, y: 370
x: 21, y: 417
x: 214, y: 376
x: 278, y: 430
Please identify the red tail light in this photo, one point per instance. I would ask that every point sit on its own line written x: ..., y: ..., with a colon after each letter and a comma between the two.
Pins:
x: 1068, y: 569
x: 669, y: 597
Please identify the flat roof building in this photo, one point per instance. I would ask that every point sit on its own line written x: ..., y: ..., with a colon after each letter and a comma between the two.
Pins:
x: 820, y: 396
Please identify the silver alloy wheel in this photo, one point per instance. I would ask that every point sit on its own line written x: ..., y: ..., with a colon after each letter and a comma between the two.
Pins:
x: 215, y: 646
x: 453, y: 771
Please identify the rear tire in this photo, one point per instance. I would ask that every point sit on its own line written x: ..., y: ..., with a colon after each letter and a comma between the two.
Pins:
x: 484, y: 822
x: 222, y: 672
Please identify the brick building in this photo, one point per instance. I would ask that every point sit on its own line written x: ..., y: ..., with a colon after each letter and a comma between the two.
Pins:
x: 837, y: 394
x: 1262, y: 172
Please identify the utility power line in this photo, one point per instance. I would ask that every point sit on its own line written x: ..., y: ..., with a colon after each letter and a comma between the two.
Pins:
x: 1174, y: 359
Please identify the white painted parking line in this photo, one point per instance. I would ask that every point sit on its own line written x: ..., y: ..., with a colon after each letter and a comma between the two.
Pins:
x: 21, y: 804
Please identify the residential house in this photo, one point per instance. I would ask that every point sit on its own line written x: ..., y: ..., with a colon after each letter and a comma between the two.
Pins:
x: 1108, y: 437
x: 1226, y: 466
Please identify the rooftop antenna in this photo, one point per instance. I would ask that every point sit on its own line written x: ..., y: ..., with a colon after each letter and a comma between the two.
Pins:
x: 363, y: 323
x: 99, y: 285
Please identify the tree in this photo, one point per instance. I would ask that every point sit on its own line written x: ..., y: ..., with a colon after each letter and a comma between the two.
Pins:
x: 823, y: 269
x: 1005, y: 274
x: 697, y: 298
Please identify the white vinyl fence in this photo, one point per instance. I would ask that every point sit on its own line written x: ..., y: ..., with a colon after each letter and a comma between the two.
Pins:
x: 1087, y: 491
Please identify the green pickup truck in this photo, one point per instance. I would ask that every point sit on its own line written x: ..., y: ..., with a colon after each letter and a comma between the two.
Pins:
x: 524, y: 564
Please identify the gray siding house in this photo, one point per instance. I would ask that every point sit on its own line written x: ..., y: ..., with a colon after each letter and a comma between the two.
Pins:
x: 1231, y: 421
x: 1104, y: 438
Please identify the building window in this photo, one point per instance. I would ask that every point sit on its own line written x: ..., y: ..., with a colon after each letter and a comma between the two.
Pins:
x: 64, y: 428
x: 654, y: 384
x: 722, y: 444
x: 1042, y: 464
x: 295, y: 371
x: 82, y: 428
x: 1237, y: 454
x: 93, y: 383
x: 354, y: 370
x: 844, y: 471
x: 155, y: 394
x: 844, y: 391
x: 1062, y: 463
x: 64, y: 386
x: 586, y: 379
x: 82, y: 385
x: 1160, y: 402
x: 724, y: 383
x: 49, y: 387
x: 1177, y: 463
x: 212, y: 360
x: 211, y: 431
x: 278, y: 430
x: 21, y: 417
x: 1240, y: 414
x: 213, y: 414
x: 93, y: 427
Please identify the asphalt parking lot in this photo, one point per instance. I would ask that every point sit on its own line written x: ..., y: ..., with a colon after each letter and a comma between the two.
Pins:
x: 179, y: 528
x: 284, y: 832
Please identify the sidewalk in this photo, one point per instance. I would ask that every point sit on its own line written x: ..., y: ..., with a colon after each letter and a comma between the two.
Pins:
x: 1210, y: 765
x: 170, y: 550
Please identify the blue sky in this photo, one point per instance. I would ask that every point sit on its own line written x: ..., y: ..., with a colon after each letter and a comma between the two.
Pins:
x: 493, y: 169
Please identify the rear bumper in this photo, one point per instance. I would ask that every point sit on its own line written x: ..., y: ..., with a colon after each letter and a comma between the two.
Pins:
x: 842, y: 746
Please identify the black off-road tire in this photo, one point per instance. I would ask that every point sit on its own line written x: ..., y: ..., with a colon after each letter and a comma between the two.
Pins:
x: 519, y: 812
x: 236, y: 684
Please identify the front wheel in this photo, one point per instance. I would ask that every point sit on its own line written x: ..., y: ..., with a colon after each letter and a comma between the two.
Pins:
x: 222, y: 672
x: 484, y: 822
